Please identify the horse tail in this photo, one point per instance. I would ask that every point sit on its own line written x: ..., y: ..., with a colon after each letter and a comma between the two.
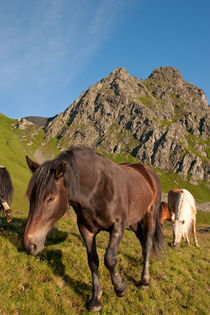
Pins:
x: 6, y: 187
x: 158, y: 239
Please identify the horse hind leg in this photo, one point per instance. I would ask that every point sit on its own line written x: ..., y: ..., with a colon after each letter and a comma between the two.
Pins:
x: 150, y: 226
x: 139, y: 231
x: 194, y: 232
x: 110, y: 258
x: 187, y: 239
x: 94, y: 304
x: 145, y: 233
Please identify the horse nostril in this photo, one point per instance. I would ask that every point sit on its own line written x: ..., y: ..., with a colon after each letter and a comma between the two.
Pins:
x: 32, y: 248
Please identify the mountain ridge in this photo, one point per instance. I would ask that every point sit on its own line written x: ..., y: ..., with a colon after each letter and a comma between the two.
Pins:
x: 161, y: 120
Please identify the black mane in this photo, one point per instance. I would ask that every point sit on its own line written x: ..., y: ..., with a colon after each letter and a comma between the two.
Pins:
x: 6, y: 188
x: 43, y: 181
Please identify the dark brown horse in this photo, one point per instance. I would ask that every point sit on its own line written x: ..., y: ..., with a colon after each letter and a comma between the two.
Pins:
x: 6, y: 192
x: 105, y: 196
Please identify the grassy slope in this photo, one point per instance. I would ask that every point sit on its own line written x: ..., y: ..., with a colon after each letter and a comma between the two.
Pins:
x: 59, y: 281
x: 12, y: 155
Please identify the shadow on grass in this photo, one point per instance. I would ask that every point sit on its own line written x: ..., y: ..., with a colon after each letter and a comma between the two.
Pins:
x: 54, y: 261
x: 14, y: 231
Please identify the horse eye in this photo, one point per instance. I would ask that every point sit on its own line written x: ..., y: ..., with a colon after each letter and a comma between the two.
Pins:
x: 50, y: 199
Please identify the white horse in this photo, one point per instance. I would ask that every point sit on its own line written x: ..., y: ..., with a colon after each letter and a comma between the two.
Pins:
x: 182, y: 207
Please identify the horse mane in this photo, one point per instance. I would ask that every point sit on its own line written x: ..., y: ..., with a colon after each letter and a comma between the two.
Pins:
x: 6, y: 188
x: 185, y: 202
x: 43, y: 181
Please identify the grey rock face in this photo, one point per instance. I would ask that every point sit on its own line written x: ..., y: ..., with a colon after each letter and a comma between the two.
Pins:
x: 162, y: 120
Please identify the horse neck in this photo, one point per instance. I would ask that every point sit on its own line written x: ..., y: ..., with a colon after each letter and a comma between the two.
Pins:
x: 76, y: 172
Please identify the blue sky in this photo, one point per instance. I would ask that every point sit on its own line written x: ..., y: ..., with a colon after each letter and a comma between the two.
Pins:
x: 52, y: 50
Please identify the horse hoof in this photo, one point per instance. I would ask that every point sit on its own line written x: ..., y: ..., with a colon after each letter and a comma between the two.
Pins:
x: 94, y: 306
x: 144, y: 284
x: 9, y: 218
x: 144, y: 287
x: 120, y: 291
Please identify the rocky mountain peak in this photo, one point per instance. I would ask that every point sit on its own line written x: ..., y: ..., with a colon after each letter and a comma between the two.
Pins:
x: 162, y: 121
x: 119, y: 71
x: 167, y: 74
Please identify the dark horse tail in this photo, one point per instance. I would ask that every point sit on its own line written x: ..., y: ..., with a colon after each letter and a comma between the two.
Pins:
x: 158, y: 240
x: 6, y: 188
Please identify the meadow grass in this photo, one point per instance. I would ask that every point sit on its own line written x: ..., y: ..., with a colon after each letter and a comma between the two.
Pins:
x: 59, y: 281
x: 12, y: 156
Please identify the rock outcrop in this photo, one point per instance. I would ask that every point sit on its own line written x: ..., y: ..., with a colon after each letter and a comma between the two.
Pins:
x: 162, y: 120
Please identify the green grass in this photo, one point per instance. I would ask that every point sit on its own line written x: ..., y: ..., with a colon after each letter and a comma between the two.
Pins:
x: 122, y: 157
x: 192, y: 140
x: 13, y: 150
x: 203, y: 217
x: 172, y: 180
x: 146, y: 100
x: 59, y: 281
x: 12, y: 155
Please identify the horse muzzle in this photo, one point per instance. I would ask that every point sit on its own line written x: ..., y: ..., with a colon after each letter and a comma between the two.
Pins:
x: 33, y: 247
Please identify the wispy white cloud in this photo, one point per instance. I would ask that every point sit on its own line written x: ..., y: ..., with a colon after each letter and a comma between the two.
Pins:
x: 46, y: 40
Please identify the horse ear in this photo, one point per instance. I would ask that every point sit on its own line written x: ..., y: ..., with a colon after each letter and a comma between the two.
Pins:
x: 183, y: 221
x: 60, y: 170
x: 31, y: 164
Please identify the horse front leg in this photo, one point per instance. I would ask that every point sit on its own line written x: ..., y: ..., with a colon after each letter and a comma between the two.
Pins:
x: 110, y: 258
x: 94, y: 304
x: 7, y: 210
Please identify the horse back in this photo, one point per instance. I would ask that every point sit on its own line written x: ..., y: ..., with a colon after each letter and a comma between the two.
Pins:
x: 173, y: 196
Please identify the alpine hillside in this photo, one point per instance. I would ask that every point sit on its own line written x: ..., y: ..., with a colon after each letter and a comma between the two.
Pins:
x: 162, y: 120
